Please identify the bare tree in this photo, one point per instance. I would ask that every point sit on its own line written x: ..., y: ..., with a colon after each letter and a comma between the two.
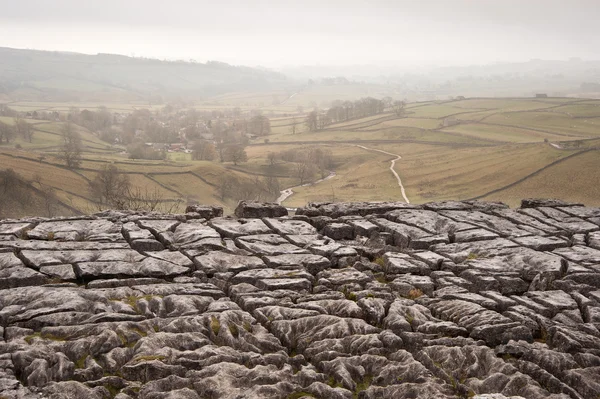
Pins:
x: 272, y: 157
x: 7, y: 132
x: 70, y: 151
x: 203, y: 151
x: 304, y: 170
x: 399, y: 107
x: 235, y: 153
x: 311, y: 121
x: 110, y: 188
x: 23, y: 128
x: 259, y: 125
x: 294, y: 127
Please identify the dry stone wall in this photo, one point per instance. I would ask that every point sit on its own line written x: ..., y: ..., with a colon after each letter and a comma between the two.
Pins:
x: 341, y: 300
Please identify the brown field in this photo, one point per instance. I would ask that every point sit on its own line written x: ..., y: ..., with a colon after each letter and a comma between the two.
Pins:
x: 497, y: 142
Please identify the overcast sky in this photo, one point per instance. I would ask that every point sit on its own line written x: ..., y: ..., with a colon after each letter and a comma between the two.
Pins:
x: 275, y: 33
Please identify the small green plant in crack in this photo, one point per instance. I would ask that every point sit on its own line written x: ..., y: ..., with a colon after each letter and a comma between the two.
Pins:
x: 247, y: 326
x: 348, y: 294
x: 83, y: 235
x: 362, y: 386
x: 50, y: 236
x: 379, y: 261
x: 472, y: 256
x: 80, y: 363
x: 409, y: 317
x: 333, y: 383
x: 233, y: 329
x: 215, y: 325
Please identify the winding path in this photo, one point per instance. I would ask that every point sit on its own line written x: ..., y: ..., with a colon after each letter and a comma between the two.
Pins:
x: 288, y: 192
x: 393, y: 163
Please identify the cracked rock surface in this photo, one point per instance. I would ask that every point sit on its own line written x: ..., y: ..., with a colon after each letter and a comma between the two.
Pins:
x: 341, y: 300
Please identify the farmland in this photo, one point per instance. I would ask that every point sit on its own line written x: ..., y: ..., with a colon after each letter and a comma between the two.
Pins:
x: 495, y: 149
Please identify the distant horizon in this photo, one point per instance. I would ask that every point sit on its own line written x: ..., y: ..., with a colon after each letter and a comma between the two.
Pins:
x: 278, y: 34
x: 305, y: 65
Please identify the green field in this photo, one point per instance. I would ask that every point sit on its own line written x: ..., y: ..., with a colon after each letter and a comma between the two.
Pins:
x: 498, y: 146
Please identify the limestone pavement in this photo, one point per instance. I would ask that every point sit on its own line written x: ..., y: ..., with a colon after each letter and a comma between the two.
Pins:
x: 341, y: 300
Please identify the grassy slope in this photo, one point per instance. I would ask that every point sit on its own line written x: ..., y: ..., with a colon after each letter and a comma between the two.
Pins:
x: 436, y: 164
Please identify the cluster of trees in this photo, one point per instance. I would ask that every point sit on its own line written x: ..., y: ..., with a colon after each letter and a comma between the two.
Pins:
x: 308, y: 162
x: 20, y: 127
x: 341, y: 111
x: 266, y: 188
x: 112, y: 189
x: 139, y: 150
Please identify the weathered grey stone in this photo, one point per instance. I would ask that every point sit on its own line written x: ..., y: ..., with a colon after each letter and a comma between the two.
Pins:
x: 205, y: 211
x: 259, y: 210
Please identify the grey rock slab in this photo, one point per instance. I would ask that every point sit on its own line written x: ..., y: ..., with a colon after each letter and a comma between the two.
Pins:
x: 363, y: 227
x: 301, y: 332
x: 545, y: 202
x: 397, y: 263
x: 159, y: 226
x: 268, y: 245
x: 20, y: 276
x: 233, y: 228
x: 132, y: 231
x: 541, y: 243
x: 474, y: 234
x: 533, y: 305
x: 555, y: 300
x: 290, y: 226
x: 15, y: 229
x: 339, y: 231
x: 430, y: 221
x: 339, y: 277
x: 49, y: 258
x: 312, y: 263
x: 298, y: 284
x: 594, y: 240
x: 149, y: 267
x: 580, y: 254
x: 332, y: 249
x: 177, y: 258
x: 459, y: 252
x: 220, y: 262
x: 63, y: 272
x: 524, y: 220
x: 248, y: 209
x: 486, y: 221
x: 199, y: 289
x: 37, y: 245
x: 147, y: 245
x: 187, y: 233
x: 303, y: 240
x: 252, y: 276
x: 205, y: 211
x: 423, y: 283
x: 77, y: 230
x: 336, y: 210
x: 581, y: 211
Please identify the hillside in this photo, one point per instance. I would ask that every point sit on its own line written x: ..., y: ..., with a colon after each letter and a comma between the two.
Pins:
x: 500, y: 149
x: 71, y: 77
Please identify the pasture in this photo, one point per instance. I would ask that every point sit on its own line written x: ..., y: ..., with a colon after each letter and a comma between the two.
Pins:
x: 498, y: 149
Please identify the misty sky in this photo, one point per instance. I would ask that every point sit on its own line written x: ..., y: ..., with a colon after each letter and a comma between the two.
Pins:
x: 275, y: 33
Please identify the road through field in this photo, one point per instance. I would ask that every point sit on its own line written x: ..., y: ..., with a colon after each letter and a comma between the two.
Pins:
x: 393, y: 163
x: 288, y: 192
